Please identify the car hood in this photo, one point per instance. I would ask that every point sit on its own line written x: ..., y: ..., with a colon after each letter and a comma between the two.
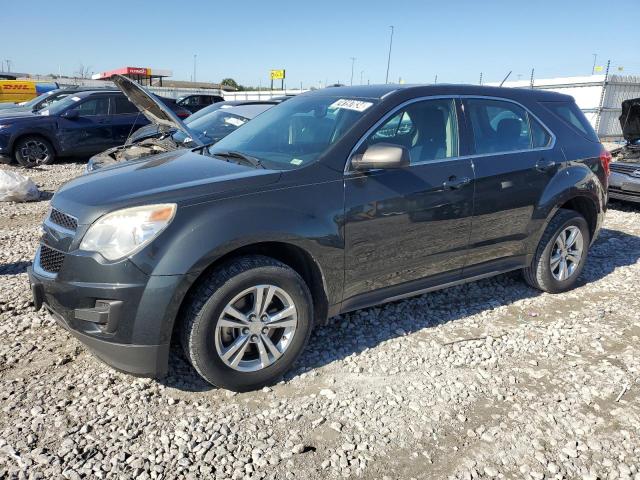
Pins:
x: 182, y: 176
x: 10, y: 106
x: 630, y: 119
x: 17, y: 114
x: 152, y: 108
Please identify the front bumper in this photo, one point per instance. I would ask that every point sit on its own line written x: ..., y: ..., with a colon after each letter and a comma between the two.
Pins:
x: 624, y: 187
x: 127, y: 325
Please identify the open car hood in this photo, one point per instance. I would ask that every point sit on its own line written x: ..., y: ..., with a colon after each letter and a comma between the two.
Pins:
x: 152, y: 108
x: 630, y: 119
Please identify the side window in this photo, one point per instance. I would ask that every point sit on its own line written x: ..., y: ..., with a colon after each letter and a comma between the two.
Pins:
x: 122, y: 106
x: 93, y: 106
x: 191, y: 100
x: 498, y: 126
x: 572, y: 115
x: 539, y: 136
x: 428, y: 129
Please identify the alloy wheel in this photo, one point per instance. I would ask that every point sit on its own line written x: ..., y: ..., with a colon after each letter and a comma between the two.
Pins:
x: 34, y: 152
x: 255, y: 328
x: 567, y: 253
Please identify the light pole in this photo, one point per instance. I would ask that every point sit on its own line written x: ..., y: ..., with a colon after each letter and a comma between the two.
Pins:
x: 195, y: 57
x: 595, y: 59
x: 389, y: 58
x: 353, y: 61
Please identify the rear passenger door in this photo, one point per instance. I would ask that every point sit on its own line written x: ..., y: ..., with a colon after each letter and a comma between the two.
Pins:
x: 125, y: 119
x: 514, y: 160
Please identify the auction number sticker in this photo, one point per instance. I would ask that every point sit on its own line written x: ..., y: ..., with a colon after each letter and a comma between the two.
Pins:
x: 357, y: 105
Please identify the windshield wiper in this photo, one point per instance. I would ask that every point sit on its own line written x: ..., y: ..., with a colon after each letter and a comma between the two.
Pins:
x: 253, y: 161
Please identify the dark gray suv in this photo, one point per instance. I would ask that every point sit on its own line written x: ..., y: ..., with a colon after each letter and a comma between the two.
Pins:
x: 332, y: 201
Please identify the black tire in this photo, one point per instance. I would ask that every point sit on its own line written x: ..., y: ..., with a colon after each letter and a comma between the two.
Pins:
x: 539, y: 275
x: 32, y: 151
x: 204, y: 308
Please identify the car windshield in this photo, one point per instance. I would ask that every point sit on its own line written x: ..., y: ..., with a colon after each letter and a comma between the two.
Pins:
x: 34, y: 102
x: 56, y: 108
x: 211, y: 128
x: 296, y: 132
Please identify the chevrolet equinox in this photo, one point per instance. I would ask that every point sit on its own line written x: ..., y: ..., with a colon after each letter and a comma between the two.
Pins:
x: 335, y: 200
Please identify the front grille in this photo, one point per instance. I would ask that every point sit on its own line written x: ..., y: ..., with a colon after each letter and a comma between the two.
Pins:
x: 624, y: 168
x: 64, y: 220
x: 50, y: 260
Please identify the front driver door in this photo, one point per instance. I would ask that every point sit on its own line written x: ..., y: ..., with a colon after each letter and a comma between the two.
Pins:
x: 90, y: 132
x: 409, y: 224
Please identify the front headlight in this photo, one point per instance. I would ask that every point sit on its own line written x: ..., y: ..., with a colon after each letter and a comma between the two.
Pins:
x: 120, y: 233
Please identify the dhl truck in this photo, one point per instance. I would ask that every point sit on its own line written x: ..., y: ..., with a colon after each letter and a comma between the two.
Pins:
x: 17, y: 91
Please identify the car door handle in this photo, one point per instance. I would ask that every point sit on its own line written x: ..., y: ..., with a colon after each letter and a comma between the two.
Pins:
x: 543, y: 165
x: 455, y: 183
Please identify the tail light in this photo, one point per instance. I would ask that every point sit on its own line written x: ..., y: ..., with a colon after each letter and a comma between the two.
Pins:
x: 605, y: 161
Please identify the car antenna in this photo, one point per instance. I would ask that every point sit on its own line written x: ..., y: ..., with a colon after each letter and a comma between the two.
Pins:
x: 505, y: 78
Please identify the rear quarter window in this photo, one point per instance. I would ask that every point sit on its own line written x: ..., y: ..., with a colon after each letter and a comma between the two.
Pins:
x: 570, y: 114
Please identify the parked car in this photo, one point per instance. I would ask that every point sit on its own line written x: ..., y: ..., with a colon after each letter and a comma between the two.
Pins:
x: 193, y: 103
x: 179, y: 110
x: 204, y: 127
x: 44, y: 100
x: 332, y: 201
x: 84, y: 123
x: 624, y: 183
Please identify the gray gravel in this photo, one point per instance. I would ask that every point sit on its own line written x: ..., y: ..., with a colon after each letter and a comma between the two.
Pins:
x: 486, y: 380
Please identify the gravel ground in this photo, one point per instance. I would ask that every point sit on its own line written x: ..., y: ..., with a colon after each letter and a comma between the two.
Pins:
x: 486, y: 380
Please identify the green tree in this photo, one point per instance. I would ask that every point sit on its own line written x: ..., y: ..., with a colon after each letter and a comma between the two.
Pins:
x: 230, y: 82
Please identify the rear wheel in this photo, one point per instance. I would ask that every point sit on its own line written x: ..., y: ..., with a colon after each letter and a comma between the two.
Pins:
x: 247, y: 323
x: 561, y: 253
x: 33, y: 151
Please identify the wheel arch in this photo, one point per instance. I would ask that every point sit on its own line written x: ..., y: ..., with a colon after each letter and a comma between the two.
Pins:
x: 35, y: 133
x: 574, y: 188
x: 294, y: 256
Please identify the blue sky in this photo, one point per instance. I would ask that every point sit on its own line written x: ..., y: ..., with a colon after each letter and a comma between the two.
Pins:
x: 455, y: 39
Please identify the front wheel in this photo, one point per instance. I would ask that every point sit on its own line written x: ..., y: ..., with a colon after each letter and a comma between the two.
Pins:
x: 561, y: 253
x: 33, y: 151
x: 247, y: 322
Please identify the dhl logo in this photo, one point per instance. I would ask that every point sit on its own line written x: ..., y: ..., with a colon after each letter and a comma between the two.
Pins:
x: 17, y: 87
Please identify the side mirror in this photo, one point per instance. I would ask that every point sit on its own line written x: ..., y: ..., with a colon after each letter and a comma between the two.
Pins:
x: 71, y: 114
x: 381, y: 155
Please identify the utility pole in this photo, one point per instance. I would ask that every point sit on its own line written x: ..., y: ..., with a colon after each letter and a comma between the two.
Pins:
x: 8, y: 65
x: 361, y: 77
x: 531, y: 80
x: 602, y: 94
x: 353, y: 61
x: 595, y: 59
x: 435, y: 80
x: 195, y: 58
x: 389, y: 57
x: 480, y: 82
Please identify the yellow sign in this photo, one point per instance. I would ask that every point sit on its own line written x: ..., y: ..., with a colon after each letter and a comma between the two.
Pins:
x: 599, y: 68
x: 277, y: 75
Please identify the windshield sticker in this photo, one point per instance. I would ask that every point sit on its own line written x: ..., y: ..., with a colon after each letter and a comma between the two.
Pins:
x: 75, y: 99
x: 236, y: 122
x: 357, y: 105
x: 296, y: 161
